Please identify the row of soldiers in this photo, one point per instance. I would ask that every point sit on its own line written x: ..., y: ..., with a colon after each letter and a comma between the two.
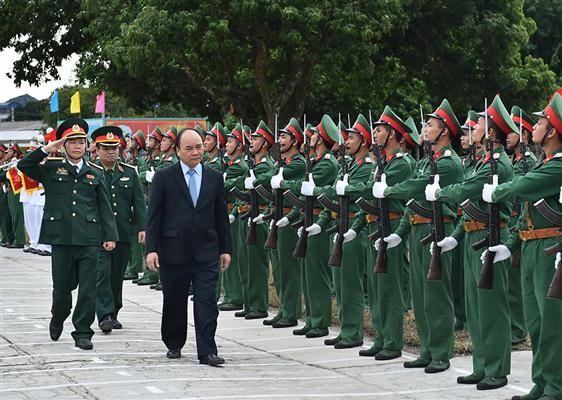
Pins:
x: 348, y: 209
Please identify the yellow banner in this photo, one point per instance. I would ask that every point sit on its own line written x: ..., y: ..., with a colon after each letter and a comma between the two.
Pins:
x: 75, y: 103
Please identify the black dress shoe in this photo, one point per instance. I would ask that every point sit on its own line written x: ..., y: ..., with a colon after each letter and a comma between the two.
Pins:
x: 84, y: 344
x: 106, y: 324
x: 283, y: 323
x: 55, y: 329
x: 471, y: 379
x: 158, y: 287
x: 316, y: 333
x: 373, y: 351
x: 212, y: 360
x: 273, y: 320
x: 333, y: 341
x: 240, y: 314
x: 489, y: 383
x: 29, y: 250
x: 116, y: 324
x: 153, y: 286
x: 256, y: 315
x: 173, y: 353
x: 302, y: 331
x: 348, y: 344
x: 43, y: 253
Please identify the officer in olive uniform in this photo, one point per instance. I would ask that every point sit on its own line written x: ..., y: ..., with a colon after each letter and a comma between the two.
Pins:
x: 77, y: 220
x: 129, y: 210
x: 543, y: 315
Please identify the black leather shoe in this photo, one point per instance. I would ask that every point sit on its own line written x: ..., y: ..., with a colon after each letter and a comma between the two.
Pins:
x: 106, y: 324
x: 55, y: 329
x: 385, y: 355
x: 230, y: 307
x: 116, y: 324
x: 535, y: 394
x: 332, y: 341
x: 212, y: 360
x: 84, y: 344
x: 240, y: 314
x: 471, y: 379
x: 373, y: 351
x: 273, y: 320
x: 437, y: 366
x: 489, y: 383
x: 45, y: 253
x: 153, y: 286
x: 302, y: 331
x: 158, y: 287
x: 173, y: 353
x: 419, y: 362
x: 256, y: 315
x: 283, y: 323
x: 315, y: 333
x: 29, y: 250
x: 348, y: 344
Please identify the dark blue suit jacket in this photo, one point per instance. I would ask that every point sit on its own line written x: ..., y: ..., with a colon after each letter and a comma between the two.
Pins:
x: 180, y: 232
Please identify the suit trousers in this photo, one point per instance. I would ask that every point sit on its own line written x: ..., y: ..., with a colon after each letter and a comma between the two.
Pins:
x: 175, y: 279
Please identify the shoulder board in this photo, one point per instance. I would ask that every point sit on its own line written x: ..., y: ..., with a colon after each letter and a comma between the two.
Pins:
x: 127, y: 165
x: 497, y: 155
x: 91, y: 164
x: 398, y: 155
x: 557, y: 155
x: 55, y: 158
x: 327, y: 156
x: 527, y: 153
x: 214, y: 159
x: 447, y: 153
x: 171, y: 158
x: 368, y: 160
x: 237, y: 161
x: 264, y: 159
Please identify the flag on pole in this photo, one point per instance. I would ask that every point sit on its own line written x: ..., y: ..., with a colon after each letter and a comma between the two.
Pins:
x: 75, y: 103
x: 100, y: 102
x: 54, y: 102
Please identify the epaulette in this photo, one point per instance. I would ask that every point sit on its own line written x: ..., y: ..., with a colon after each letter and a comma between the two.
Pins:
x: 497, y: 156
x: 527, y: 153
x: 128, y: 165
x: 237, y: 161
x: 368, y: 160
x: 91, y: 164
x: 327, y: 156
x: 54, y: 158
x: 214, y: 159
x: 171, y: 158
x: 398, y: 155
x: 447, y: 153
x: 557, y: 155
x: 264, y: 159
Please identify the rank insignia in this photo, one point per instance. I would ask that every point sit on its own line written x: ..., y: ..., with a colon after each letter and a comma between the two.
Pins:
x: 88, y: 176
x: 62, y: 171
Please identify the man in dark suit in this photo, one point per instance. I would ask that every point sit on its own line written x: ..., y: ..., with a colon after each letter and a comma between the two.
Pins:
x: 187, y: 233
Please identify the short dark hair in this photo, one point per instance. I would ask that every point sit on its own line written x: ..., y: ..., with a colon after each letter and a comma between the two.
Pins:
x: 180, y: 134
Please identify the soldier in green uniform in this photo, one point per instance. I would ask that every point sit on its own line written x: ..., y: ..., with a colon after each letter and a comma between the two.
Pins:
x: 289, y: 175
x: 487, y: 310
x: 431, y: 300
x: 77, y: 219
x: 215, y: 140
x: 129, y: 211
x: 523, y: 161
x: 14, y: 153
x: 542, y: 314
x: 236, y: 172
x: 5, y: 217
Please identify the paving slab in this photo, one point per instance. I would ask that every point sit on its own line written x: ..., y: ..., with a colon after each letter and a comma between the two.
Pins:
x: 261, y: 362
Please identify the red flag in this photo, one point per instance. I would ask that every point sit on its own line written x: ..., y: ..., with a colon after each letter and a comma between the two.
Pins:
x: 100, y: 102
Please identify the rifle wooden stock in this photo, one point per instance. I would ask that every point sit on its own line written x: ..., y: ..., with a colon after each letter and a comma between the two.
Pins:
x: 271, y: 242
x: 435, y: 268
x: 480, y: 244
x: 516, y: 259
x: 337, y: 251
x: 251, y: 235
x: 552, y: 250
x: 302, y: 242
x: 555, y: 289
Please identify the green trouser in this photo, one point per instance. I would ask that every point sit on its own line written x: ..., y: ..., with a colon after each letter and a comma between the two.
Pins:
x: 372, y: 290
x: 487, y: 311
x: 537, y: 271
x: 72, y: 267
x: 290, y: 275
x: 317, y: 279
x: 231, y: 277
x: 109, y: 284
x: 305, y: 294
x: 241, y: 230
x: 406, y: 295
x: 550, y: 344
x: 273, y: 257
x: 432, y: 301
x: 256, y: 299
x: 5, y: 219
x: 457, y: 282
x: 16, y: 211
x: 348, y: 283
x: 388, y: 304
x: 515, y: 300
x: 136, y: 258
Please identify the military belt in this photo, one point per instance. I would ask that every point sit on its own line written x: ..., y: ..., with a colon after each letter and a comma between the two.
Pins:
x: 334, y: 214
x: 471, y: 226
x: 316, y: 211
x: 247, y: 208
x: 534, y: 234
x: 416, y: 219
x: 370, y: 218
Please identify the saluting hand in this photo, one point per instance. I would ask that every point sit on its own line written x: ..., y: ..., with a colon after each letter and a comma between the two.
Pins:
x: 53, y: 147
x: 108, y: 246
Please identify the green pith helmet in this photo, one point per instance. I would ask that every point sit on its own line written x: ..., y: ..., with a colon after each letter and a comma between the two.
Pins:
x: 172, y: 133
x: 520, y: 117
x: 264, y: 131
x: 237, y: 133
x: 328, y: 130
x: 413, y: 130
x: 219, y: 133
x: 445, y: 113
x: 140, y: 139
x: 471, y: 120
x: 294, y: 129
x: 362, y: 127
x: 156, y: 134
x: 388, y: 117
x: 499, y: 115
x: 553, y: 112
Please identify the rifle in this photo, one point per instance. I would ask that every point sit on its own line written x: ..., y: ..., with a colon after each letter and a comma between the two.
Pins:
x: 302, y: 243
x: 251, y: 235
x: 487, y: 273
x: 524, y: 162
x: 271, y: 242
x: 554, y: 217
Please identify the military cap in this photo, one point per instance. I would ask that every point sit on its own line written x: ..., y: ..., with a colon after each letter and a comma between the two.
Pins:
x: 362, y: 127
x: 200, y: 130
x: 264, y: 131
x: 445, y: 113
x: 294, y: 129
x: 413, y: 130
x: 328, y: 130
x: 237, y: 133
x: 553, y: 112
x: 559, y: 91
x: 72, y: 128
x: 172, y: 133
x: 309, y: 130
x: 139, y: 138
x: 388, y: 117
x: 108, y: 135
x: 156, y: 134
x: 247, y: 132
x: 219, y: 133
x: 521, y: 118
x: 343, y: 131
x: 499, y: 115
x: 471, y: 120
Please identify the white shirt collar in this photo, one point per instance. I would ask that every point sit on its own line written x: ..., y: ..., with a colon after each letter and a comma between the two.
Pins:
x: 185, y: 168
x: 79, y: 165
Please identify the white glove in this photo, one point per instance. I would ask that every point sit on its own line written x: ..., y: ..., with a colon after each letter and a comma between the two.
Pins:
x: 557, y: 260
x: 276, y: 179
x: 560, y: 198
x: 299, y: 232
x: 271, y: 224
x: 249, y: 181
x: 488, y: 189
x: 307, y: 188
x: 380, y: 187
x: 259, y: 219
x: 224, y: 176
x: 502, y: 253
x: 150, y: 174
x: 392, y: 240
x: 431, y: 189
x: 378, y: 244
x: 282, y: 222
x: 313, y: 229
x: 231, y: 218
x: 448, y: 243
x: 341, y: 185
x: 349, y: 235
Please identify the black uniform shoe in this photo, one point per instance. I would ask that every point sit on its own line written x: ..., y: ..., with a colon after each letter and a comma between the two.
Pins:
x: 437, y: 366
x: 332, y: 341
x: 516, y: 340
x: 489, y: 383
x: 136, y: 280
x: 471, y: 379
x: 302, y: 331
x: 173, y: 353
x: 240, y: 314
x: 419, y: 362
x: 43, y: 253
x: 116, y: 324
x: 384, y: 355
x: 55, y: 329
x: 256, y: 315
x: 106, y: 324
x: 153, y: 286
x: 348, y: 344
x: 158, y: 287
x: 212, y: 360
x: 283, y: 323
x: 84, y: 343
x: 130, y: 276
x: 230, y: 307
x: 273, y: 320
x: 534, y: 394
x: 314, y: 333
x: 373, y: 351
x: 29, y: 250
x: 15, y: 246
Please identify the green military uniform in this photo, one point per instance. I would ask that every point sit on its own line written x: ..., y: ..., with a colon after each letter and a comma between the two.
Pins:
x: 129, y: 211
x: 15, y: 206
x: 5, y: 216
x: 77, y: 219
x: 542, y: 315
x: 432, y: 300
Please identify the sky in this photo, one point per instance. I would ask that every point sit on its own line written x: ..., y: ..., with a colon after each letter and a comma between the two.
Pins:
x: 9, y: 90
